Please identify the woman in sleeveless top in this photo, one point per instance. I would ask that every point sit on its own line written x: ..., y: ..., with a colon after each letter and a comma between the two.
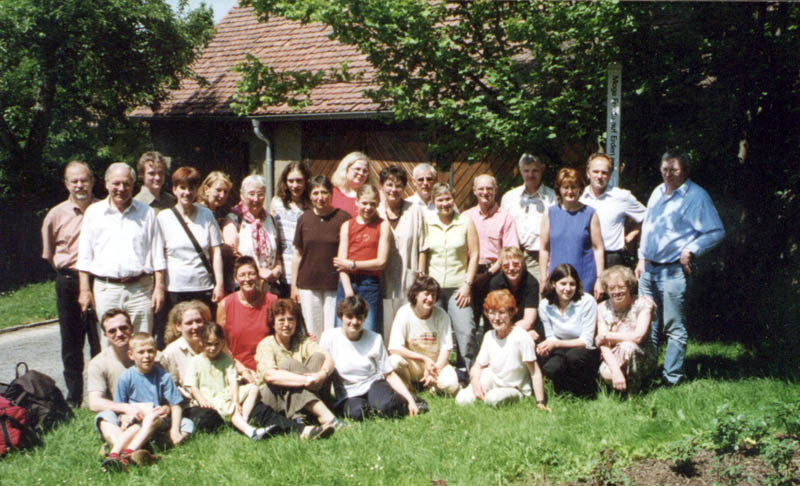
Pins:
x: 363, y: 251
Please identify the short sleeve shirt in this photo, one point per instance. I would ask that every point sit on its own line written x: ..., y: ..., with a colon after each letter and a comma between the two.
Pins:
x: 185, y: 269
x: 104, y: 371
x: 425, y: 336
x: 526, y: 295
x: 270, y: 354
x: 359, y: 363
x: 155, y: 387
x: 317, y: 240
x: 507, y: 357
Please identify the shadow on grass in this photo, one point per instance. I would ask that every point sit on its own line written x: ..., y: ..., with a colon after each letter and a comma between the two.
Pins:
x: 737, y: 362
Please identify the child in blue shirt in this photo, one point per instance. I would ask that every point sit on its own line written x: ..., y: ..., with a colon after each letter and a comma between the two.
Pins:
x: 152, y: 389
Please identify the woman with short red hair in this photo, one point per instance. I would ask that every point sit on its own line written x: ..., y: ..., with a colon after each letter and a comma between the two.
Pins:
x: 571, y: 233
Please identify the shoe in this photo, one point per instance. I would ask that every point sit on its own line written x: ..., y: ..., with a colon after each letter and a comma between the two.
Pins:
x: 338, y: 424
x: 263, y: 432
x: 143, y: 457
x: 422, y: 405
x: 313, y: 432
x: 115, y: 463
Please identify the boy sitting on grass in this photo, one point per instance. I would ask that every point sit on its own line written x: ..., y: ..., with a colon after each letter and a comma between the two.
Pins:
x: 151, y: 388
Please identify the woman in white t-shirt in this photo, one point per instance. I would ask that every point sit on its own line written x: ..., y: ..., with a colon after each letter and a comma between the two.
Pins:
x: 506, y: 365
x: 367, y: 384
x: 188, y: 277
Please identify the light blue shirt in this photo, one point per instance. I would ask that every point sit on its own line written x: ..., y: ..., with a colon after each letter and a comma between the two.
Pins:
x: 685, y: 219
x: 578, y: 321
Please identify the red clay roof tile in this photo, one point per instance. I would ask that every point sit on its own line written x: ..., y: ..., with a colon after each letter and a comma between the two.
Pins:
x: 280, y: 43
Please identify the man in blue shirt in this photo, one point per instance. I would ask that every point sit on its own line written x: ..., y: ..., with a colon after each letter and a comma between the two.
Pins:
x: 681, y: 223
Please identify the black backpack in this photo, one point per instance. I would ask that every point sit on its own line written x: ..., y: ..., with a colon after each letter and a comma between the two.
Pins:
x: 38, y: 394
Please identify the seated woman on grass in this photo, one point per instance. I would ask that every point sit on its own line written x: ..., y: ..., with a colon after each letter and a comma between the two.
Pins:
x: 214, y: 384
x: 295, y: 370
x: 367, y: 383
x: 506, y: 365
x: 623, y: 331
x: 569, y: 317
x: 421, y: 340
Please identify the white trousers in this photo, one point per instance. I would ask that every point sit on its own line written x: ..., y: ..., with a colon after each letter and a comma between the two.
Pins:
x: 134, y: 297
x: 319, y: 310
x: 495, y: 393
x: 411, y: 371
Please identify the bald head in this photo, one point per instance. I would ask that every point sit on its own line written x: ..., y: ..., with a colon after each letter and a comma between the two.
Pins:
x: 484, y: 187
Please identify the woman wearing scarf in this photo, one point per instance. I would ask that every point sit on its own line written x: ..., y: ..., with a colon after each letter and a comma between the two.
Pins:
x: 250, y: 229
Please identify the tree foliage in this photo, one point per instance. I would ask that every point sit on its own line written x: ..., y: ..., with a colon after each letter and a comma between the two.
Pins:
x: 70, y: 70
x: 719, y: 80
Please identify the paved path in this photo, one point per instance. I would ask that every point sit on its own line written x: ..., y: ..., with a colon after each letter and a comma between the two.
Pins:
x: 40, y: 347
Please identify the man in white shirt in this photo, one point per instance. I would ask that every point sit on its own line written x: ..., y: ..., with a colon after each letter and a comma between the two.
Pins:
x: 424, y: 178
x: 613, y: 206
x: 526, y: 204
x: 121, y: 246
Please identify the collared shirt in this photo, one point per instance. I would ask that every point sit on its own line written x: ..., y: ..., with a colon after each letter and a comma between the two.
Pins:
x: 415, y: 199
x: 165, y: 200
x: 117, y: 244
x: 612, y: 206
x: 448, y: 251
x: 578, y: 321
x: 61, y: 231
x: 176, y: 359
x: 684, y: 219
x: 527, y: 210
x: 496, y: 230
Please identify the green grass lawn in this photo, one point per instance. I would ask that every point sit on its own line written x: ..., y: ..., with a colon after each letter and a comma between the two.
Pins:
x: 31, y: 303
x: 473, y: 445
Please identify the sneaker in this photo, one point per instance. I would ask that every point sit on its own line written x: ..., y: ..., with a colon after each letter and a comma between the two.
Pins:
x: 338, y: 424
x: 115, y: 463
x: 422, y: 405
x: 463, y: 376
x: 263, y: 432
x: 312, y: 432
x: 143, y: 457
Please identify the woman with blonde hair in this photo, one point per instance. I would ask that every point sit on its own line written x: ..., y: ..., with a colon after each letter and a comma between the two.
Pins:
x: 351, y: 173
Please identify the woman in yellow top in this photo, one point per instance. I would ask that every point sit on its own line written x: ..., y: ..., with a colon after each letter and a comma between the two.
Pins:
x: 453, y: 261
x: 296, y: 372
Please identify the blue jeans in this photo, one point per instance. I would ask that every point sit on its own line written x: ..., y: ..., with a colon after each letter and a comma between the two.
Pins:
x: 370, y: 289
x: 666, y: 285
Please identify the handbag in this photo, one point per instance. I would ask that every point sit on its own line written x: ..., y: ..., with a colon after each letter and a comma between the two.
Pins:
x: 197, y: 248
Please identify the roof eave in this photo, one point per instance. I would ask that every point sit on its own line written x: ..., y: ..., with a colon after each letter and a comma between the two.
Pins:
x: 358, y: 115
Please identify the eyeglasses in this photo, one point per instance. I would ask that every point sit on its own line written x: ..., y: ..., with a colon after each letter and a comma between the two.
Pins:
x: 120, y: 330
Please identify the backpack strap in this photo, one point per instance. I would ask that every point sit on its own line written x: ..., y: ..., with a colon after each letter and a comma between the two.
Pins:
x: 21, y: 363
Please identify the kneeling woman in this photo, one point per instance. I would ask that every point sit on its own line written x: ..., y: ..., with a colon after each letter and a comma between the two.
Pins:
x: 367, y: 382
x: 506, y: 364
x: 295, y: 371
x: 623, y: 331
x: 569, y: 316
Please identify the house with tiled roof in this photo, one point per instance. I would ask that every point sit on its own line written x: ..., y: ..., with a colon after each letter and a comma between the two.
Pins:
x: 198, y: 126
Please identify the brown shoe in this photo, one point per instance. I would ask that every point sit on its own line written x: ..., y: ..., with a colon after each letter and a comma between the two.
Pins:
x: 312, y: 432
x: 142, y: 457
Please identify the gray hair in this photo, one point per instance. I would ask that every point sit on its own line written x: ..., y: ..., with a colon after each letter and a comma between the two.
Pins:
x: 78, y: 163
x: 256, y: 179
x: 527, y: 159
x: 121, y: 165
x: 485, y: 176
x: 420, y: 167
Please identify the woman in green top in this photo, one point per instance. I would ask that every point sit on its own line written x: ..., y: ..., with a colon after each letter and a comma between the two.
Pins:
x: 295, y: 371
x: 453, y: 262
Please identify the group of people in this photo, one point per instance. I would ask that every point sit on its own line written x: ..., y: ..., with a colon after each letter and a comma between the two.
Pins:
x: 275, y: 315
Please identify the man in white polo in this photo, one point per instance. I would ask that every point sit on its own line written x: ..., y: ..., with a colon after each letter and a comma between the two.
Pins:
x: 613, y: 207
x: 121, y: 246
x: 526, y: 204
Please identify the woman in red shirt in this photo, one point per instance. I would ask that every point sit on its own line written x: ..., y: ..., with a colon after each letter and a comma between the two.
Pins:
x: 245, y: 317
x: 363, y: 251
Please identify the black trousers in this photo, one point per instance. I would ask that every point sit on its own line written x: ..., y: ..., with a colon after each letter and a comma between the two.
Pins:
x: 573, y: 370
x: 264, y: 416
x: 381, y: 399
x: 74, y: 333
